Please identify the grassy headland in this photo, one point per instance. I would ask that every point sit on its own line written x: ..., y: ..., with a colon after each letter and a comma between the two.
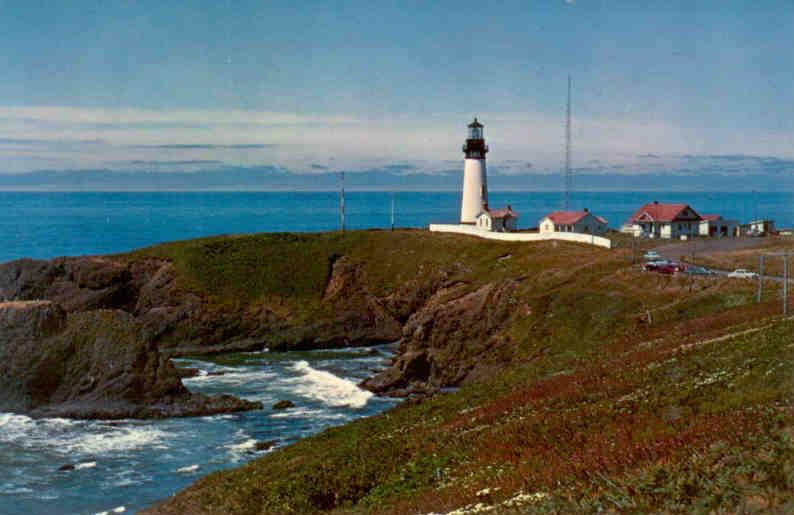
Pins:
x: 588, y: 385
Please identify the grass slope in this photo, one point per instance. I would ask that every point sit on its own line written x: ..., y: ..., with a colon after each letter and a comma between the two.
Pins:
x: 625, y: 390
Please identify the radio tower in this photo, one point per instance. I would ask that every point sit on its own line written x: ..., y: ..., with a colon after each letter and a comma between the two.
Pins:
x: 566, y: 199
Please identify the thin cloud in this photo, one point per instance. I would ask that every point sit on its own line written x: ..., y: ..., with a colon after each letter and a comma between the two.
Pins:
x: 189, y: 162
x: 124, y: 116
x: 207, y: 146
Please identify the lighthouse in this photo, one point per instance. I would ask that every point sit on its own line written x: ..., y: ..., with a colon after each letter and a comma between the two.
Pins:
x: 475, y: 186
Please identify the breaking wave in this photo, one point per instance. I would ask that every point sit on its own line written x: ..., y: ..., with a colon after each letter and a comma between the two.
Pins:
x: 328, y: 388
x: 82, y: 437
x: 229, y: 378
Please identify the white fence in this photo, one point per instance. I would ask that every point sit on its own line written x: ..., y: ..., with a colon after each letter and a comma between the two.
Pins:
x: 523, y: 236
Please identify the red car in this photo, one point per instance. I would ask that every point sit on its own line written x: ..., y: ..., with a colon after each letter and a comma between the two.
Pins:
x: 670, y: 269
x: 667, y: 269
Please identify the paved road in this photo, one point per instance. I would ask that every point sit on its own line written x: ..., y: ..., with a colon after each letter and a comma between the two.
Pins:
x: 675, y: 250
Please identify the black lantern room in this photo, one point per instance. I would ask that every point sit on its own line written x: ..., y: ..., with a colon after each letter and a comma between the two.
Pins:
x: 475, y: 147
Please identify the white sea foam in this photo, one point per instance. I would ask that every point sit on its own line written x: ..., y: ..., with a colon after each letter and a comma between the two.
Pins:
x: 262, y: 351
x: 11, y: 425
x: 119, y: 439
x: 230, y: 378
x: 82, y: 437
x: 330, y: 389
x: 10, y: 489
x: 118, y: 509
x: 86, y: 465
x: 188, y: 469
x: 297, y: 413
x: 308, y: 414
x: 243, y: 446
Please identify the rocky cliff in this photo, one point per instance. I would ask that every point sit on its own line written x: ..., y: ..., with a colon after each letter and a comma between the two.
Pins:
x: 202, y: 302
x: 93, y: 364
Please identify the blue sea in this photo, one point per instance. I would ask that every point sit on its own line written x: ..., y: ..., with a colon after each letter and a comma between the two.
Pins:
x: 131, y: 464
x: 45, y: 225
x: 128, y: 465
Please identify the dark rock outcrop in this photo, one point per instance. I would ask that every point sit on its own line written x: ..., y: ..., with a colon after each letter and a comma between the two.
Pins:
x: 187, y: 372
x: 265, y: 446
x: 444, y: 326
x: 284, y: 404
x: 183, y: 322
x: 93, y: 364
x: 449, y: 341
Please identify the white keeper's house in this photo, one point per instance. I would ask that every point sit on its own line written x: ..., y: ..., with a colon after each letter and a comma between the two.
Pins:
x: 583, y: 222
x: 658, y: 220
x: 498, y: 220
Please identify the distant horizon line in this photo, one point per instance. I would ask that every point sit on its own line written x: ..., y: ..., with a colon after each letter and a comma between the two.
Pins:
x: 378, y: 190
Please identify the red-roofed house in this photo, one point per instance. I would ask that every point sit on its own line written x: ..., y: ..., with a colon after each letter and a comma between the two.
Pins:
x: 718, y: 227
x: 656, y: 220
x: 583, y: 222
x: 497, y: 220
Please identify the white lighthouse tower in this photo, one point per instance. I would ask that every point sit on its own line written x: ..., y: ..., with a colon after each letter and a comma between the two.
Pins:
x: 475, y: 185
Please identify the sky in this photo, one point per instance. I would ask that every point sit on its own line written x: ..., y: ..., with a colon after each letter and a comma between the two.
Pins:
x: 318, y: 86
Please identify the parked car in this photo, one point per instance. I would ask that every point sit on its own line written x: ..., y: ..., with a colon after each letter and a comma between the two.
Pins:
x: 698, y: 270
x: 669, y: 269
x: 652, y: 255
x: 742, y: 273
x: 652, y: 266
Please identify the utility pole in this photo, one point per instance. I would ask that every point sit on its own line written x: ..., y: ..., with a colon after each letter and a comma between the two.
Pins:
x: 392, y: 210
x: 760, y: 293
x: 784, y: 255
x: 785, y: 283
x: 568, y: 176
x: 342, y: 201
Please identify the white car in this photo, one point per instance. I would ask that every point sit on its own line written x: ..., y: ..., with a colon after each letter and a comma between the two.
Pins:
x: 742, y: 273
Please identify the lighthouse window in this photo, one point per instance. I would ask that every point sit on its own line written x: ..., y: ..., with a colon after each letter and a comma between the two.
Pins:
x: 475, y: 133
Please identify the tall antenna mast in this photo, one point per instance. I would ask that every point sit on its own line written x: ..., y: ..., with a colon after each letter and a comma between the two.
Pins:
x: 342, y: 201
x: 568, y: 175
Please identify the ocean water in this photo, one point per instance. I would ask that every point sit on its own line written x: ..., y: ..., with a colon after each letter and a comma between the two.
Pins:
x: 45, y: 225
x: 133, y: 463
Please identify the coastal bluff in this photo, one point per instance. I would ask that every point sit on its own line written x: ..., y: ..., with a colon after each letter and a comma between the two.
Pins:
x: 293, y: 291
x: 94, y: 364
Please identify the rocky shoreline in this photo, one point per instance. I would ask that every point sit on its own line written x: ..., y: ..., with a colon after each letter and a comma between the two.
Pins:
x: 91, y: 365
x: 147, y: 295
x: 73, y: 314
